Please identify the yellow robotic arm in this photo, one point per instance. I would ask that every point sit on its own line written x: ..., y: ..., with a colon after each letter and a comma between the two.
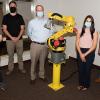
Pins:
x: 68, y: 20
x: 57, y: 46
x: 54, y: 43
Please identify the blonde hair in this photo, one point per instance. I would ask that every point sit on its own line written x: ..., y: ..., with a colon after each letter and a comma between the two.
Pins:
x: 38, y: 6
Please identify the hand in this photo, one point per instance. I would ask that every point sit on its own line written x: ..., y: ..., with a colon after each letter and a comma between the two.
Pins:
x: 17, y: 39
x: 82, y: 56
x: 75, y: 30
x: 14, y: 39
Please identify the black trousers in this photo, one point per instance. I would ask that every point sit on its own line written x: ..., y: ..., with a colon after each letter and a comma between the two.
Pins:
x: 1, y: 77
x: 1, y: 74
x: 85, y: 68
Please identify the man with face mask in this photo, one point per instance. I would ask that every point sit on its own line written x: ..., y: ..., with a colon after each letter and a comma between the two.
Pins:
x: 38, y: 35
x: 13, y: 27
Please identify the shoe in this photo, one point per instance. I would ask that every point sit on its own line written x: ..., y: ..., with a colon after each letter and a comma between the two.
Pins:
x: 8, y: 72
x: 2, y: 88
x: 97, y: 80
x: 82, y: 88
x: 32, y: 82
x: 43, y: 79
x: 23, y: 71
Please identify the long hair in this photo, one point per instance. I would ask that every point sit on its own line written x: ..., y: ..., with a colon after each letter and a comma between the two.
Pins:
x: 92, y: 28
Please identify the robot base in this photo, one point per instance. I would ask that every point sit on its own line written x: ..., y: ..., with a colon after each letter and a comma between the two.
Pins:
x: 56, y: 87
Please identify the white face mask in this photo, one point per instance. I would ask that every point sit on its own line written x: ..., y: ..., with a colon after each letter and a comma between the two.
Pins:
x: 40, y: 14
x: 88, y: 24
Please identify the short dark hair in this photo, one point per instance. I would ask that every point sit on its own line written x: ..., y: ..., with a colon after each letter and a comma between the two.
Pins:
x: 12, y: 2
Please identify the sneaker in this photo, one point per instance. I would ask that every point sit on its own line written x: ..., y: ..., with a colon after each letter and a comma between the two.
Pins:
x: 32, y: 82
x: 43, y: 79
x: 8, y: 72
x: 2, y: 88
x: 23, y: 71
x: 97, y: 80
x: 82, y: 88
x: 79, y: 87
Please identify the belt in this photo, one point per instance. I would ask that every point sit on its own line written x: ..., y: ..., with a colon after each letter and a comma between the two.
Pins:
x: 38, y: 43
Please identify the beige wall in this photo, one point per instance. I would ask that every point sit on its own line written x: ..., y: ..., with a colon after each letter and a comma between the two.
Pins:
x: 79, y: 9
x: 25, y: 10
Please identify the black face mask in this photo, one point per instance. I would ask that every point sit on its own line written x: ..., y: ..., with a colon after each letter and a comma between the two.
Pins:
x: 12, y: 9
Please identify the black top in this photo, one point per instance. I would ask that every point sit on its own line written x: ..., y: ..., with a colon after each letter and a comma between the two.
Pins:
x: 13, y: 24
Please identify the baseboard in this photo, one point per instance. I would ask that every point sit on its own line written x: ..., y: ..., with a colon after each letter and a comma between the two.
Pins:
x: 26, y: 56
x: 4, y: 58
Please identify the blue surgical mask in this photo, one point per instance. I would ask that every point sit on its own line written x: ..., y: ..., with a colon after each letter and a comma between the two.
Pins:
x: 40, y: 14
x: 88, y: 24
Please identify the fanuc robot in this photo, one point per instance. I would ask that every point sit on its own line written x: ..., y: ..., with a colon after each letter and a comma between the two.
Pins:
x: 57, y: 45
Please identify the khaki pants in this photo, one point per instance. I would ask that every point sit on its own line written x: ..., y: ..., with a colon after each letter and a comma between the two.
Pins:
x: 38, y: 52
x: 11, y: 46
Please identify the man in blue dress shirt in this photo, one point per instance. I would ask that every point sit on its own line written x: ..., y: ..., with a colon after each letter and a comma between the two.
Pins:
x: 38, y: 48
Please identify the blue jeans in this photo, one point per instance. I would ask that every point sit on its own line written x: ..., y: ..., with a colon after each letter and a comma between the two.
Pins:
x: 84, y: 68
